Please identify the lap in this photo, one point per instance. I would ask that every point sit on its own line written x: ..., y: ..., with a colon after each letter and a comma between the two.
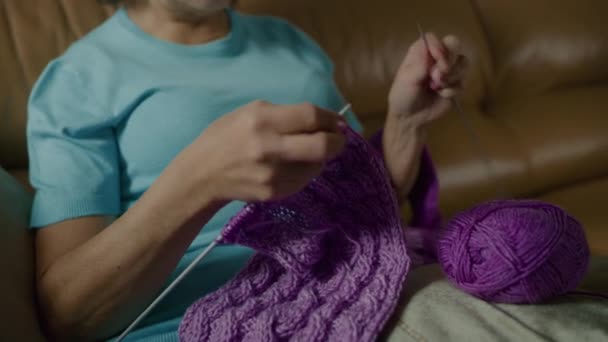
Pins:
x: 431, y: 309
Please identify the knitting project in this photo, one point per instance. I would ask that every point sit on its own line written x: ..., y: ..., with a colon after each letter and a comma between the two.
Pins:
x: 331, y: 260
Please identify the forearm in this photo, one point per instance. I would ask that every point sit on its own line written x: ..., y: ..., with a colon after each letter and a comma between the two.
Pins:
x: 96, y: 289
x: 403, y: 142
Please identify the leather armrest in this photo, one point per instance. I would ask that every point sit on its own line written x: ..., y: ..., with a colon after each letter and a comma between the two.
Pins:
x: 18, y: 312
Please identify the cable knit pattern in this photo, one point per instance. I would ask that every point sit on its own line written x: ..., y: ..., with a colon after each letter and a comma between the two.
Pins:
x: 330, y: 265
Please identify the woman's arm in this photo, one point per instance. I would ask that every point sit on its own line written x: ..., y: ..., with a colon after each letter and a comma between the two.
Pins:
x: 403, y: 142
x: 428, y: 78
x: 94, y: 276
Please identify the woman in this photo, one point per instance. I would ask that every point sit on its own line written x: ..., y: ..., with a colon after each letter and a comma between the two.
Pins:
x: 159, y: 123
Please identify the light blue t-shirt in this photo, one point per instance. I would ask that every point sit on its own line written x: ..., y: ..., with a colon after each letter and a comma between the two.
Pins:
x: 110, y: 114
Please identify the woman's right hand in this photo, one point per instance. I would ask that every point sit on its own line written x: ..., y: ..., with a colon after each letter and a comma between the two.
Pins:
x: 262, y: 151
x: 259, y: 152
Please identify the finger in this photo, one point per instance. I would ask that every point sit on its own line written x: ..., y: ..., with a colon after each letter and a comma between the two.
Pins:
x: 439, y: 109
x: 313, y: 148
x: 418, y: 53
x: 302, y: 118
x: 437, y: 79
x: 416, y: 64
x: 448, y: 93
x: 452, y: 45
x: 458, y: 71
x: 295, y: 171
x: 439, y: 52
x: 456, y: 74
x: 296, y: 174
x: 284, y: 172
x: 281, y: 180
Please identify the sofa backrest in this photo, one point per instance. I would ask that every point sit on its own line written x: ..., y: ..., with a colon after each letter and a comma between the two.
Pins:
x: 536, y: 95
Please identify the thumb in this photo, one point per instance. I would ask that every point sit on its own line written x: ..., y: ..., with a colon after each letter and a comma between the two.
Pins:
x: 439, y: 108
x: 416, y: 65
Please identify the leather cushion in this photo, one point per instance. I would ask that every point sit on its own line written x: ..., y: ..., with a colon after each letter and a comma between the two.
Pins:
x: 17, y: 310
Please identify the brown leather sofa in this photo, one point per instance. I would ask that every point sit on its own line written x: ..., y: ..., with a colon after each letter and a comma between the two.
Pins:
x: 536, y: 96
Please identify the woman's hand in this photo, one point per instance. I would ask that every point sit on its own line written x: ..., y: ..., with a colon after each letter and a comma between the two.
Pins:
x: 259, y: 152
x: 262, y: 151
x: 426, y: 81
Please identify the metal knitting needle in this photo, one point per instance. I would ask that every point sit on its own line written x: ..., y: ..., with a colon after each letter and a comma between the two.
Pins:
x: 169, y: 288
x: 468, y: 125
x: 185, y: 272
x: 345, y: 109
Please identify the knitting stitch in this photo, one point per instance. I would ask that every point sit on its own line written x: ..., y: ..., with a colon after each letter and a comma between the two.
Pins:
x: 330, y: 263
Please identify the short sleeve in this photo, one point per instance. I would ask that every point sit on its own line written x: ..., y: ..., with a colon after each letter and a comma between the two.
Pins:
x: 337, y: 99
x: 72, y: 150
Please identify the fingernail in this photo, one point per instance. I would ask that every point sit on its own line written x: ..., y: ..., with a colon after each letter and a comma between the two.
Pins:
x: 435, y: 86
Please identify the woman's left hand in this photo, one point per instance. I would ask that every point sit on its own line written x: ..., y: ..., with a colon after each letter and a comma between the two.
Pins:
x: 427, y: 79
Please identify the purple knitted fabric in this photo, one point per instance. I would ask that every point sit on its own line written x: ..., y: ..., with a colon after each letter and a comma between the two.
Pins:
x: 331, y: 260
x: 425, y: 226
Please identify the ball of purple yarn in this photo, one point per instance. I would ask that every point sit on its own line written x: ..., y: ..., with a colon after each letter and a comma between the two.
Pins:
x: 514, y: 251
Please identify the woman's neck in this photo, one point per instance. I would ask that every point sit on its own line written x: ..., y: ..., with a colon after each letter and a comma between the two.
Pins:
x: 182, y: 29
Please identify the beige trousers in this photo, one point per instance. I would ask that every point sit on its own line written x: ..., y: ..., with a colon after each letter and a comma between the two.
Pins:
x: 431, y: 309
